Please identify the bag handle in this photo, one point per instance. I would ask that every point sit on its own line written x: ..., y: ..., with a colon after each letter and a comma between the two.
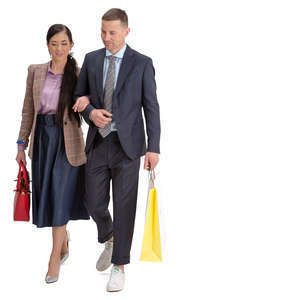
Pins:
x: 151, y: 179
x: 19, y: 177
x: 23, y: 174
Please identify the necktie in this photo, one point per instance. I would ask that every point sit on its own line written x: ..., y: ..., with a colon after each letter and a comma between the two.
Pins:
x: 108, y: 92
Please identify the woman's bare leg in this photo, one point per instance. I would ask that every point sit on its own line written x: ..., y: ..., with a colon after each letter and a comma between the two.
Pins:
x: 59, y: 236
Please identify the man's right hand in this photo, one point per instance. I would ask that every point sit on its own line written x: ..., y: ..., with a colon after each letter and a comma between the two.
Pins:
x: 21, y: 156
x: 101, y: 117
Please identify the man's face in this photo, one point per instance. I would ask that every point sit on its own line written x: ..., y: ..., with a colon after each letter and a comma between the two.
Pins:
x: 113, y: 35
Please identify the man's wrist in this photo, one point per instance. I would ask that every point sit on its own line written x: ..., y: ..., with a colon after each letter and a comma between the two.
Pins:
x: 90, y: 114
x: 153, y: 150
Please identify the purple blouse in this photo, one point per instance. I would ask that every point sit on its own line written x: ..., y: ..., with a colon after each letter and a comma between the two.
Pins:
x: 49, y: 97
x: 50, y: 93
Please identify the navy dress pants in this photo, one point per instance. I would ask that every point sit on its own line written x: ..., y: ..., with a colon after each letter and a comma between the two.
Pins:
x: 107, y: 162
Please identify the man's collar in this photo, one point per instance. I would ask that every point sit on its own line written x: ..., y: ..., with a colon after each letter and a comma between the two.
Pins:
x: 119, y: 54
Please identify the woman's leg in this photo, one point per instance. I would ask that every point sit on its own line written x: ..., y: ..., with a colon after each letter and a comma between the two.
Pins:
x: 65, y: 246
x: 59, y: 236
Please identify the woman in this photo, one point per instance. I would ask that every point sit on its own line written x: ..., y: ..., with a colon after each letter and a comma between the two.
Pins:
x: 56, y: 144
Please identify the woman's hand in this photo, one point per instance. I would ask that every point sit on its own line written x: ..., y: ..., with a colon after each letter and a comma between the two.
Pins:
x: 81, y: 104
x: 21, y: 156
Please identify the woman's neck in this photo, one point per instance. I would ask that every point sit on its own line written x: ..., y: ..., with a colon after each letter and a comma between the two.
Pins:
x: 57, y: 67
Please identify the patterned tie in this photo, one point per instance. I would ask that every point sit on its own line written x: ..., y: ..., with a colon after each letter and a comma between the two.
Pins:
x: 108, y: 92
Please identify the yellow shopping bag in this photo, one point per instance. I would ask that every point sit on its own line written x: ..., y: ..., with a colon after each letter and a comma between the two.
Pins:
x: 151, y: 248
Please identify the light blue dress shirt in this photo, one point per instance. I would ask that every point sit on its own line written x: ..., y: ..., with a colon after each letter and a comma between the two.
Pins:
x: 119, y: 55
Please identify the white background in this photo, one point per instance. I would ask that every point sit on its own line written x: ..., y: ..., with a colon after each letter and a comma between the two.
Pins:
x: 228, y: 77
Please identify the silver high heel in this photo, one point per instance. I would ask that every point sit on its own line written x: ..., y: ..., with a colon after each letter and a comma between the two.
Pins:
x: 64, y: 257
x: 52, y: 279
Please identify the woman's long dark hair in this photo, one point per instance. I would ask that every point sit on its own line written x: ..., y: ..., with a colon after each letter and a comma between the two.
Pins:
x: 69, y: 79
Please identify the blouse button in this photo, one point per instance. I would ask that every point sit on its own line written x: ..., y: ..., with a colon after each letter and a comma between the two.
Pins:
x: 66, y: 123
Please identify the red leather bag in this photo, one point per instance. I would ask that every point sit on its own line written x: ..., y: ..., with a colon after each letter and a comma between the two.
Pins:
x: 22, y: 195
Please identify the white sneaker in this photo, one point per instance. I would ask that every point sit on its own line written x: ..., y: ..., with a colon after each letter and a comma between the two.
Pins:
x: 104, y: 260
x: 116, y: 280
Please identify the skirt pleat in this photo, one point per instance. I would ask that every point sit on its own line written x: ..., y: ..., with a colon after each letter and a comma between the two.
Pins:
x: 57, y: 186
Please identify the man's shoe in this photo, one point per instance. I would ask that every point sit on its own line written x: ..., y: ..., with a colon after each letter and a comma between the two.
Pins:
x: 104, y: 260
x: 116, y: 280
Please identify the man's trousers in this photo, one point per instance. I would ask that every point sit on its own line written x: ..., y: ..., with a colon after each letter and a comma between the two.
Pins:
x: 108, y: 162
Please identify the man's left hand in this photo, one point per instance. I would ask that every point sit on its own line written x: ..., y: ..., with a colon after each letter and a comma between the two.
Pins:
x: 151, y: 160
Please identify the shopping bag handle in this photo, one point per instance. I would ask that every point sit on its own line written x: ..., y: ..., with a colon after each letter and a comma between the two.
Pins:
x: 151, y: 179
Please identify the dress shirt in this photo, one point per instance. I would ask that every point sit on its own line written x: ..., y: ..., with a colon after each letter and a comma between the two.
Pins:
x: 119, y: 55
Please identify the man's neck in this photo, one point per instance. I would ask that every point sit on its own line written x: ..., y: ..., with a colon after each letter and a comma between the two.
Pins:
x: 116, y: 51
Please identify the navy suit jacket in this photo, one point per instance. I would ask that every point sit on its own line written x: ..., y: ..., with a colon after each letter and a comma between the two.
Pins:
x: 135, y: 90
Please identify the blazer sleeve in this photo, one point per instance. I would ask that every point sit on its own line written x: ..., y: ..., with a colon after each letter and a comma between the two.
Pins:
x: 28, y: 108
x: 151, y: 108
x: 83, y: 89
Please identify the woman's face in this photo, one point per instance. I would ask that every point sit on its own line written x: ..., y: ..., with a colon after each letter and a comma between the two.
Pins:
x: 59, y: 46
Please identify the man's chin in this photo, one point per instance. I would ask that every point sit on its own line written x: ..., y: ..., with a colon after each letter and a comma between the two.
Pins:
x: 109, y: 47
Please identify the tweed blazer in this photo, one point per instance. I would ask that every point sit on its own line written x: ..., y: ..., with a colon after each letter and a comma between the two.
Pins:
x: 73, y: 136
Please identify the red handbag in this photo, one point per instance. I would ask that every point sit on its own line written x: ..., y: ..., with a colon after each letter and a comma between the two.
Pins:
x: 22, y: 195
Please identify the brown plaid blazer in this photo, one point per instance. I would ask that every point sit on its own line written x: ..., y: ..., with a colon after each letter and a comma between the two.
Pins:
x: 74, y: 142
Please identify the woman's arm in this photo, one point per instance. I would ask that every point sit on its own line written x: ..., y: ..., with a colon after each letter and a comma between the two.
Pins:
x: 27, y: 114
x: 81, y: 103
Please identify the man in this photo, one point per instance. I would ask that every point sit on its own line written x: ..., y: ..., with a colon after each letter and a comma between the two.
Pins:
x: 120, y: 82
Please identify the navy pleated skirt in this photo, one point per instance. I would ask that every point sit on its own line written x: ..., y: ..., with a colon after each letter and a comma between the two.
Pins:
x: 57, y: 186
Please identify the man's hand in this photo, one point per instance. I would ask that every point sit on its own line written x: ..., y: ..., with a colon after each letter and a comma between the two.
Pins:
x: 100, y: 117
x: 21, y: 157
x: 81, y: 104
x: 151, y: 160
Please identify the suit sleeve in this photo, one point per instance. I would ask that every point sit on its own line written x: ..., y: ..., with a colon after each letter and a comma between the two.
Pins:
x: 28, y: 108
x: 151, y: 108
x: 83, y: 89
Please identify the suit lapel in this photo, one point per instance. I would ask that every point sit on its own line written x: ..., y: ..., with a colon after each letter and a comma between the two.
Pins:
x: 126, y: 67
x: 99, y: 75
x: 39, y: 78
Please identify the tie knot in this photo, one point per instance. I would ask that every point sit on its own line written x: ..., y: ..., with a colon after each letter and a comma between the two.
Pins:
x: 112, y: 58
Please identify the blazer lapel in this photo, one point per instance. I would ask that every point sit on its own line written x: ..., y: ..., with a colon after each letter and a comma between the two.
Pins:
x: 126, y: 67
x: 99, y: 75
x: 39, y: 79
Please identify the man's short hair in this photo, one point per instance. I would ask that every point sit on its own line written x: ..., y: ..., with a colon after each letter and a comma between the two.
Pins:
x: 116, y: 14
